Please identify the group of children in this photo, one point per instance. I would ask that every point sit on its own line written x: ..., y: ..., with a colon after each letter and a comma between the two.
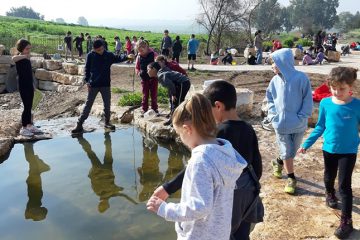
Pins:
x: 220, y: 186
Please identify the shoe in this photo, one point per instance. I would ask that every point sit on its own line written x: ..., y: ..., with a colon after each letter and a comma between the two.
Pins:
x: 277, y: 169
x: 345, y: 228
x: 157, y: 114
x: 193, y: 68
x: 266, y: 124
x: 78, y: 129
x: 168, y: 122
x: 26, y: 132
x: 109, y: 126
x: 142, y: 113
x: 34, y: 130
x: 331, y: 200
x: 290, y: 186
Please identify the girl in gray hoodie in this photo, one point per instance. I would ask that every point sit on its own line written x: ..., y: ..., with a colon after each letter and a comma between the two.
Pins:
x: 205, y: 208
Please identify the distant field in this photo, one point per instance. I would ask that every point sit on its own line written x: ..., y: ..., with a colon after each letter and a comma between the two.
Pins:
x: 46, y: 36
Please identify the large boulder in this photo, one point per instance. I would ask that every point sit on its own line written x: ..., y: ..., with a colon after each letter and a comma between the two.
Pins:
x: 67, y: 79
x: 48, y: 85
x: 3, y: 78
x: 5, y: 146
x: 2, y: 49
x: 4, y: 68
x: 297, y: 53
x: 245, y: 101
x: 70, y: 68
x: 11, y: 80
x: 37, y: 62
x: 2, y: 88
x: 52, y: 65
x: 333, y: 56
x: 247, y: 52
x: 43, y: 74
x: 68, y: 88
x: 81, y: 70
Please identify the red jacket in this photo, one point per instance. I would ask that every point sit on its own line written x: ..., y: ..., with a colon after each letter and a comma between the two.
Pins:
x: 174, y: 66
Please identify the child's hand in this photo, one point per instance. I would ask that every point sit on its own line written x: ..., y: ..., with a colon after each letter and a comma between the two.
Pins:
x: 161, y: 193
x: 301, y: 150
x: 153, y: 204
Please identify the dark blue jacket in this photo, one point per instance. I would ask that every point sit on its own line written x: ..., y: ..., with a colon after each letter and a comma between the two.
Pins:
x: 97, y: 68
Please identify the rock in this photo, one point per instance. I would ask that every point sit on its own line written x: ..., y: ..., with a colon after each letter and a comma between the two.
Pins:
x: 52, y: 65
x: 43, y: 74
x: 158, y: 130
x: 297, y: 53
x: 314, y: 116
x: 81, y: 70
x: 67, y: 79
x: 2, y: 88
x: 4, y: 68
x: 245, y: 100
x: 37, y: 62
x: 333, y: 56
x: 70, y: 68
x: 48, y: 85
x: 6, y: 59
x: 11, y: 80
x: 68, y: 88
x: 3, y: 78
x: 21, y: 139
x: 249, y: 50
x: 2, y: 49
x: 13, y: 51
x: 5, y: 146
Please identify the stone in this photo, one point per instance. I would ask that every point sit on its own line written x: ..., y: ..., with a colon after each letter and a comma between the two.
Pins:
x: 314, y: 116
x: 2, y: 49
x: 67, y: 79
x: 43, y: 74
x: 5, y: 146
x: 68, y: 88
x: 13, y: 51
x: 297, y: 53
x: 70, y: 68
x: 11, y: 80
x: 158, y: 130
x: 52, y: 65
x: 249, y: 50
x: 3, y: 78
x: 333, y: 56
x: 6, y: 59
x: 81, y: 70
x: 48, y: 85
x: 37, y: 62
x: 245, y: 101
x: 4, y: 68
x: 2, y: 88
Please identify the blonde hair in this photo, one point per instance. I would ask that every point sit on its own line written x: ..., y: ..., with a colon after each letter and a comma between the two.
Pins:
x: 340, y: 75
x: 142, y: 44
x: 197, y: 110
x: 160, y: 58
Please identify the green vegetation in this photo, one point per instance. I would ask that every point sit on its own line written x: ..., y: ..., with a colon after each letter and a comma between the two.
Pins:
x: 119, y: 90
x: 133, y: 99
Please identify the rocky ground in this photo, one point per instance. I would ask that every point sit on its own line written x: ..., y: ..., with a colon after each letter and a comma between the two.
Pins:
x: 303, y: 216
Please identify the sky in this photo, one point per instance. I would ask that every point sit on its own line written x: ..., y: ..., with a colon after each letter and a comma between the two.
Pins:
x: 126, y: 12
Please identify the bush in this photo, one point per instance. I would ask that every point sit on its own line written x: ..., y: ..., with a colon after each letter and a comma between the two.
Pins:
x: 267, y: 44
x: 130, y: 99
x: 163, y: 96
x: 289, y: 43
x: 305, y: 42
x: 119, y: 90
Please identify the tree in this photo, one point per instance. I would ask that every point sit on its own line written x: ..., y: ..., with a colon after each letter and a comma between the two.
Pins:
x: 60, y: 20
x: 24, y: 12
x: 269, y: 17
x: 82, y: 21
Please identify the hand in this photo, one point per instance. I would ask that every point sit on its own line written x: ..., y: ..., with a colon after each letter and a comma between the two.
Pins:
x: 153, y: 204
x: 173, y: 99
x: 301, y: 150
x: 161, y: 193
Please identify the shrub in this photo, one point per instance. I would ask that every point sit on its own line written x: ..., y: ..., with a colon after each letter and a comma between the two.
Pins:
x: 163, y: 96
x: 130, y: 99
x: 305, y: 42
x: 289, y: 42
x: 119, y: 90
x: 267, y: 44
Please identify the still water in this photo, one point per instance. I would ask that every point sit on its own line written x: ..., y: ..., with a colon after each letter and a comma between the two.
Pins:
x: 91, y: 187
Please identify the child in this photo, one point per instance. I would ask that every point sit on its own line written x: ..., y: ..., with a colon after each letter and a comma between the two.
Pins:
x: 192, y: 47
x: 118, y: 45
x: 228, y: 58
x: 78, y: 44
x: 26, y: 86
x: 68, y: 45
x: 133, y: 45
x: 307, y: 59
x: 89, y: 44
x: 290, y: 105
x: 205, y: 208
x: 173, y: 65
x: 166, y: 44
x: 222, y: 96
x: 128, y: 45
x: 149, y: 84
x: 177, y: 84
x: 177, y: 48
x: 339, y: 118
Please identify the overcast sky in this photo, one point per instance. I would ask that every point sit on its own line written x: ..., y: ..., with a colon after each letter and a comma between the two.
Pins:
x: 106, y: 11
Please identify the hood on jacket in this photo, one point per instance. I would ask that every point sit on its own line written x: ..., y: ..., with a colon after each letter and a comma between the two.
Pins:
x: 228, y: 162
x: 284, y: 60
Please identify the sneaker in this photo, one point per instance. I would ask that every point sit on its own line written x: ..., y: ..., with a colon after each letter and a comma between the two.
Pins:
x: 26, y: 132
x: 157, y: 113
x: 277, y: 169
x: 168, y: 122
x: 345, y: 228
x: 290, y: 186
x: 109, y: 126
x: 34, y: 130
x: 331, y: 200
x: 266, y: 124
x: 142, y: 113
x: 78, y: 129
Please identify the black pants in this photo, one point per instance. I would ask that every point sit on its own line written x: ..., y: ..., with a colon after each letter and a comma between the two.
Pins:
x: 181, y: 91
x: 106, y: 96
x: 176, y: 56
x: 345, y: 163
x: 80, y: 50
x: 27, y: 96
x: 165, y: 52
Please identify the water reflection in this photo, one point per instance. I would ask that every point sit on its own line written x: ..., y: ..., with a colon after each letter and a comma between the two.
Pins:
x: 102, y: 175
x: 34, y: 209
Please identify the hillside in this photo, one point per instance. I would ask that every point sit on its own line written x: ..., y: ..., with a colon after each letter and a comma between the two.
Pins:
x: 45, y: 35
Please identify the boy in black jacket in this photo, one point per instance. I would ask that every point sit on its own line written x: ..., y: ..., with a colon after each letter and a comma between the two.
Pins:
x: 97, y: 79
x: 247, y: 207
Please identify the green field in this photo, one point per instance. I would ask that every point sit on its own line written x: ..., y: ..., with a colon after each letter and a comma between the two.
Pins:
x: 46, y: 36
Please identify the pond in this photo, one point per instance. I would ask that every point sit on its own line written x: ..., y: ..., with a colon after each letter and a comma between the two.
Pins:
x: 94, y: 186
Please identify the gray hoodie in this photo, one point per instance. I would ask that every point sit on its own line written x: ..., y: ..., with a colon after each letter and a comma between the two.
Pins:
x: 169, y: 79
x: 205, y: 208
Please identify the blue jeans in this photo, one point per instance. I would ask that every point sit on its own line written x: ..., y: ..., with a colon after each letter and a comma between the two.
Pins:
x: 259, y: 56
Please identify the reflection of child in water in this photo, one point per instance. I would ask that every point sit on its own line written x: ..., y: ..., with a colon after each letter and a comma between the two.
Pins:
x: 34, y: 210
x: 101, y: 174
x: 149, y: 172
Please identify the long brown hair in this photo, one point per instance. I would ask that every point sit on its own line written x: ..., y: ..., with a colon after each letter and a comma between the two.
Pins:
x: 21, y: 44
x: 197, y: 110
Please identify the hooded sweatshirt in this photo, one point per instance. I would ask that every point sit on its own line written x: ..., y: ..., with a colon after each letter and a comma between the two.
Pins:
x: 169, y: 79
x: 205, y: 208
x: 289, y: 95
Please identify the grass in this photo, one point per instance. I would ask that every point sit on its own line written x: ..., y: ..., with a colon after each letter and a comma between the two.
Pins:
x: 119, y: 90
x: 133, y: 99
